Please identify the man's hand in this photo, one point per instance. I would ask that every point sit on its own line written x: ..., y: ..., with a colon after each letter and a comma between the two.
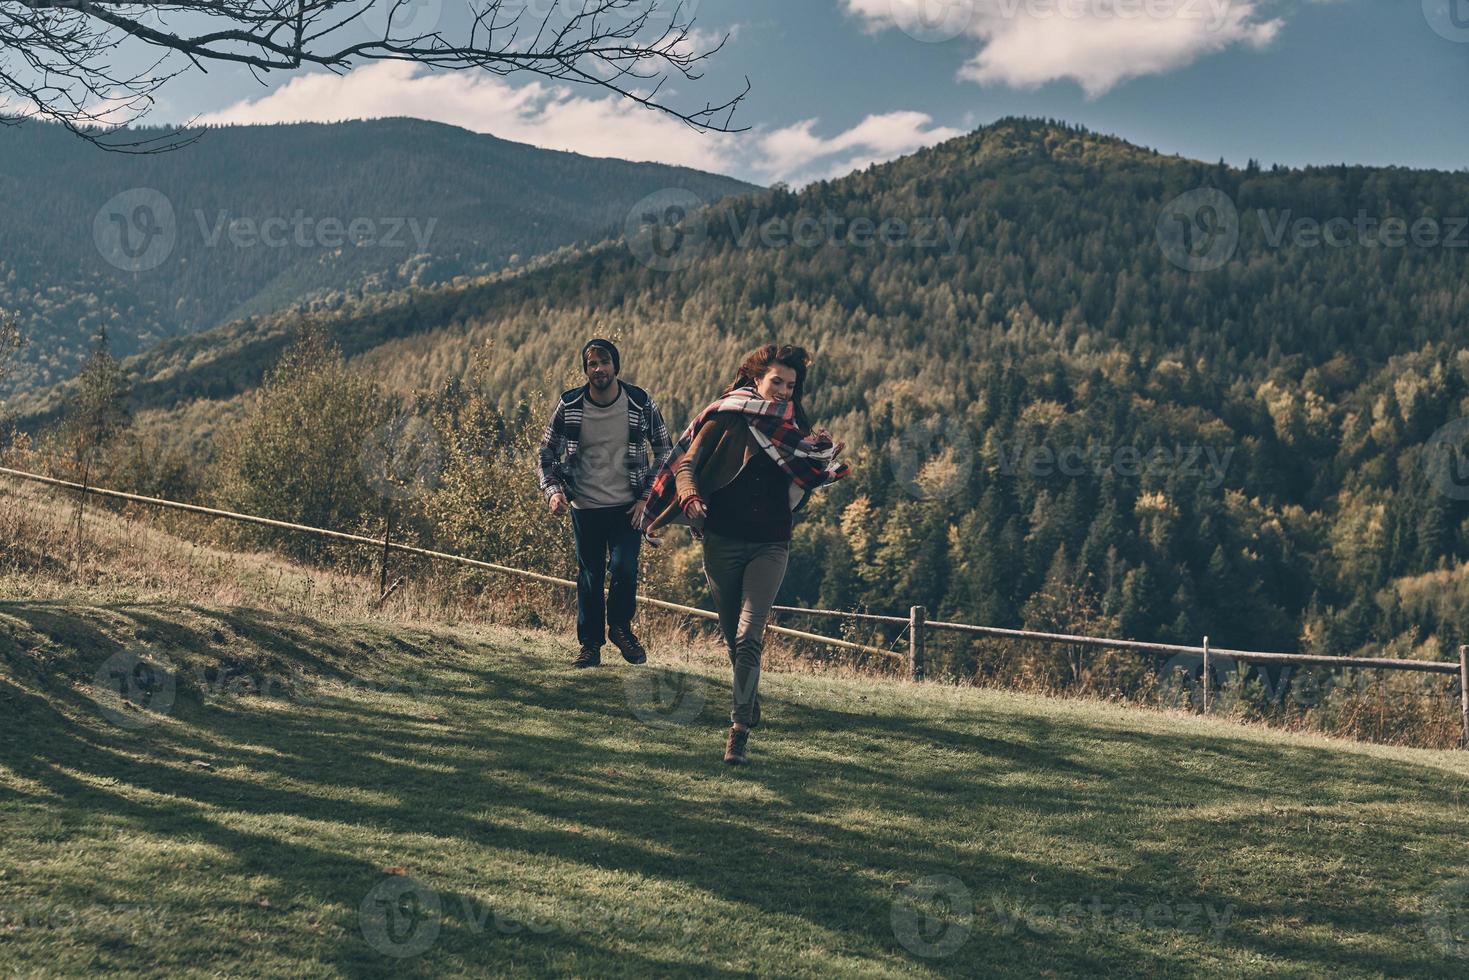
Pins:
x: 558, y: 504
x: 635, y: 513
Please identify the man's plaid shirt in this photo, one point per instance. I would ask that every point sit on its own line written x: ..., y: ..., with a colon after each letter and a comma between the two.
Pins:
x: 556, y: 461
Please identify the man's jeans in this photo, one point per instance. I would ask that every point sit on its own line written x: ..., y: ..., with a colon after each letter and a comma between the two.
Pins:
x: 744, y: 577
x: 600, y: 530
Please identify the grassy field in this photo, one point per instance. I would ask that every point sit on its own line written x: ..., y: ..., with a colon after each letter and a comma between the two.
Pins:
x: 278, y: 795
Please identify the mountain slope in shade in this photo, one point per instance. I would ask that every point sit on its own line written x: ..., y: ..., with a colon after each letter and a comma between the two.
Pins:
x: 254, y: 219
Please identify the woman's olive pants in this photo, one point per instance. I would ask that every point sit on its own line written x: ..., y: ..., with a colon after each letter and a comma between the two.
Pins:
x: 744, y: 577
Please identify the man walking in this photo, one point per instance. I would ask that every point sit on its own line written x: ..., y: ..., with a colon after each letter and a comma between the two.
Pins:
x: 593, y: 462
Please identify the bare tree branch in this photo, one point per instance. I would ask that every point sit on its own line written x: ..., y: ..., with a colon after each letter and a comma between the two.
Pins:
x: 57, y: 57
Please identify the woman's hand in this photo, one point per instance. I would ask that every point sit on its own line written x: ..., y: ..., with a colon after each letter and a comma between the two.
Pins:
x: 696, y: 510
x: 821, y: 436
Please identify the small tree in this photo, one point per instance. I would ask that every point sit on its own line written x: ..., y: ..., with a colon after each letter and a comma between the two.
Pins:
x: 10, y: 342
x: 1066, y: 603
x: 298, y: 453
x: 488, y: 505
x: 95, y: 415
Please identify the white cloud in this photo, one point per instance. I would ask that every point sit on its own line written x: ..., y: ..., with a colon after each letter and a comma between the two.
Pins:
x: 1096, y: 43
x: 550, y: 116
x: 555, y: 117
x: 796, y: 154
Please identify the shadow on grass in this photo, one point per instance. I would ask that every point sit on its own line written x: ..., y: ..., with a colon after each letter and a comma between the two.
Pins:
x: 502, y: 751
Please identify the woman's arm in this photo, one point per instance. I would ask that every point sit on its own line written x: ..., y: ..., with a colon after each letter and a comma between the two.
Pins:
x: 690, y: 496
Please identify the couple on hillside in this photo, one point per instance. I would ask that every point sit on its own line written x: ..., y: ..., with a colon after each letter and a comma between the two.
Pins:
x: 744, y: 465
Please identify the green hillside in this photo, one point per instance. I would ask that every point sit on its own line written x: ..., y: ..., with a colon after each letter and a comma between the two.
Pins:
x: 1055, y: 423
x: 361, y: 798
x: 430, y: 202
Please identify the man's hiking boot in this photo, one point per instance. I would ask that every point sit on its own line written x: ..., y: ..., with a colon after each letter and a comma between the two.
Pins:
x: 734, y: 749
x: 588, y: 657
x: 632, y: 651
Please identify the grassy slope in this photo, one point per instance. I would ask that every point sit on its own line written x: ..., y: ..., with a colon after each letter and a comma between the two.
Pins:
x: 564, y: 833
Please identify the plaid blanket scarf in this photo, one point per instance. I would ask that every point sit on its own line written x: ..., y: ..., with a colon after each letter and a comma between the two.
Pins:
x: 810, y: 463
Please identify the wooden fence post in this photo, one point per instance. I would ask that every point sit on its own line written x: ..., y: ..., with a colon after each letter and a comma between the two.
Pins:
x: 917, y: 618
x: 1464, y: 691
x: 382, y: 578
x: 1206, y: 675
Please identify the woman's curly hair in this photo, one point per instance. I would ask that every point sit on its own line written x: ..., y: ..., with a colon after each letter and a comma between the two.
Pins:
x: 758, y: 361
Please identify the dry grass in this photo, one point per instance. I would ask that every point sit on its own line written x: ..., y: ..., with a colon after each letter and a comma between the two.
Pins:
x: 139, y: 553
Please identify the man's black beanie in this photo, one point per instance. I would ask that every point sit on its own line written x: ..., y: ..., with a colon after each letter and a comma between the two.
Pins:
x: 608, y: 346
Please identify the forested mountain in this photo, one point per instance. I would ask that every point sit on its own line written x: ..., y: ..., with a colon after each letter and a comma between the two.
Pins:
x: 1067, y: 397
x: 249, y: 220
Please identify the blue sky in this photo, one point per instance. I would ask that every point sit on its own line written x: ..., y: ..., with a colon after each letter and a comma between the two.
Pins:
x: 839, y: 83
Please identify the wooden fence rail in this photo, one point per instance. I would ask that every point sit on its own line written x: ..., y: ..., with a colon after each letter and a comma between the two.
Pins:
x: 916, y: 622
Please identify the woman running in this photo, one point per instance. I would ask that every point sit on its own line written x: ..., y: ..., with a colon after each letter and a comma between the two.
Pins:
x: 741, y: 469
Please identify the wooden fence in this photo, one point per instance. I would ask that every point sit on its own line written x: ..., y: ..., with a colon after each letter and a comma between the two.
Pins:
x: 916, y: 623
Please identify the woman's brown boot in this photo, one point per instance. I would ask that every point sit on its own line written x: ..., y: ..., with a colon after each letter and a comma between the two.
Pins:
x: 734, y: 749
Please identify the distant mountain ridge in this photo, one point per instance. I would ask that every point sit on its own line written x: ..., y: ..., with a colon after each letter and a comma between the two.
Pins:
x: 253, y: 219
